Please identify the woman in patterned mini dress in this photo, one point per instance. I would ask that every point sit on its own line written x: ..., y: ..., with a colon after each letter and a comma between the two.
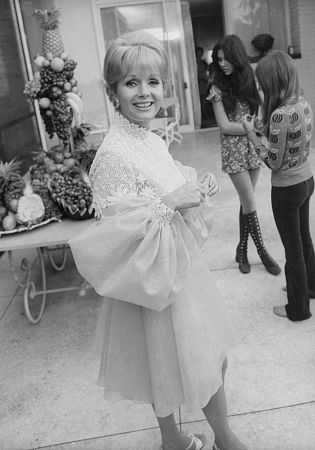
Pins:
x: 233, y: 95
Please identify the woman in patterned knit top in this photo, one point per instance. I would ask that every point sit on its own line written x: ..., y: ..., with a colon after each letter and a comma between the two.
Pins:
x: 233, y: 95
x: 288, y: 125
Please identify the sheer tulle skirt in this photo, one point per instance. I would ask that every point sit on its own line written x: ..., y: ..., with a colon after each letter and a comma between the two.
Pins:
x: 166, y: 358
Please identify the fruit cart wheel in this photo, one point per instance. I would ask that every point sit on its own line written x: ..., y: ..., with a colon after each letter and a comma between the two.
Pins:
x: 24, y: 267
x: 34, y: 304
x: 62, y: 263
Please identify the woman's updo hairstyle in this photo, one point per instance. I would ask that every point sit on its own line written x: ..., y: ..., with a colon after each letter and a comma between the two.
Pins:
x: 138, y: 47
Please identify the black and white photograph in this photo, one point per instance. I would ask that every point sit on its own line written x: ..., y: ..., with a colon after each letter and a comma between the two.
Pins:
x: 157, y: 225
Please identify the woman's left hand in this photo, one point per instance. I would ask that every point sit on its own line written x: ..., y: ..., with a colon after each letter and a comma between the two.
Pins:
x: 248, y: 123
x: 209, y: 181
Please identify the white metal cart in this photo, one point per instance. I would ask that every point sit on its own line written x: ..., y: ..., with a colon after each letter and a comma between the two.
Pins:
x: 46, y: 240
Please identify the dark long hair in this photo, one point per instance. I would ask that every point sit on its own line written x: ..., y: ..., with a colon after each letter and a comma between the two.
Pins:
x: 278, y: 78
x: 240, y: 85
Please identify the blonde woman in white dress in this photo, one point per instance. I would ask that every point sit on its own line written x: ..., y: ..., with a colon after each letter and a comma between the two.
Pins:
x: 164, y: 334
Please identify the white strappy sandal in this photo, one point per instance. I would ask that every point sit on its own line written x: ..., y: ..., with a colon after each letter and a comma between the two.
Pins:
x: 199, y: 440
x: 215, y: 447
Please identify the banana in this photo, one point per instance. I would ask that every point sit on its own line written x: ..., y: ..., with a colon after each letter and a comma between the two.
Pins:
x: 73, y: 121
x: 77, y: 117
x: 76, y: 99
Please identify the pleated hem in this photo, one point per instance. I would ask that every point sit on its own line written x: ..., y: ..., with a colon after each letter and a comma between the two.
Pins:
x: 191, y: 406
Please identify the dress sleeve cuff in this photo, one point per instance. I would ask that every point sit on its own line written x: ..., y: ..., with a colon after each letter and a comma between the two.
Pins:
x: 163, y: 212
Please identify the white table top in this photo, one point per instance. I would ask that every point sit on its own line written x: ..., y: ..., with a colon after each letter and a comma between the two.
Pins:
x: 54, y: 233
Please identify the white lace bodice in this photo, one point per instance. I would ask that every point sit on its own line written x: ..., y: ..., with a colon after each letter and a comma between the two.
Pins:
x: 132, y: 159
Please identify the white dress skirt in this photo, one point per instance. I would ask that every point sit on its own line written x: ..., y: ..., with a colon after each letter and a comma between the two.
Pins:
x: 163, y: 329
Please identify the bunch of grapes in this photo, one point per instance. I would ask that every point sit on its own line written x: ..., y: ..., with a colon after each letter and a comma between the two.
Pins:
x: 69, y: 67
x: 57, y: 119
x: 50, y: 86
x: 62, y: 117
x: 54, y: 85
x: 32, y: 89
x: 49, y: 78
x: 48, y: 123
x: 72, y: 193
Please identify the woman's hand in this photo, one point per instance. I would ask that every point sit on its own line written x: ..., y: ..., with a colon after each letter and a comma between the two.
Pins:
x: 248, y: 123
x: 187, y: 196
x: 209, y: 182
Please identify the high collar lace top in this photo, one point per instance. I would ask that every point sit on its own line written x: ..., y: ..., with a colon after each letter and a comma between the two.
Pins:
x: 127, y: 127
x: 131, y: 157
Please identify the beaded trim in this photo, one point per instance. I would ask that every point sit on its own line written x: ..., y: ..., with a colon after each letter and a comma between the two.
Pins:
x: 123, y: 124
x: 163, y: 212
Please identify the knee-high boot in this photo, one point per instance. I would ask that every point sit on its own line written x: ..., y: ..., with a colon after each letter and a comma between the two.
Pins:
x: 241, y: 250
x: 252, y: 223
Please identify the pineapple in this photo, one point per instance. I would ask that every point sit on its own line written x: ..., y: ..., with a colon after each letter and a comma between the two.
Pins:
x: 49, y: 21
x: 12, y: 184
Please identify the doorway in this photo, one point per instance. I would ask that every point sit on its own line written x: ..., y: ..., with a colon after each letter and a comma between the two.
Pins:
x: 114, y: 18
x: 208, y: 28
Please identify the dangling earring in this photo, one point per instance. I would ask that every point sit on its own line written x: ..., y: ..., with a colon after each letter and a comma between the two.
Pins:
x: 116, y: 103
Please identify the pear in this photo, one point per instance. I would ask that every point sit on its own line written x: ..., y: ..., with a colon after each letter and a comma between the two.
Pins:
x: 9, y: 222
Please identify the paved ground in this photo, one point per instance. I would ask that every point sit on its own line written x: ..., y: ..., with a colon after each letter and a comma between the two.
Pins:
x: 48, y: 393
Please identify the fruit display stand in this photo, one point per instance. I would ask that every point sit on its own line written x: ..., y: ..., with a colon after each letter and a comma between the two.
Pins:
x: 46, y: 240
x: 60, y: 172
x: 57, y: 187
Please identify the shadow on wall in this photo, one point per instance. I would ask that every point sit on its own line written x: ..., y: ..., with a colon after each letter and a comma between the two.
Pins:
x: 252, y: 18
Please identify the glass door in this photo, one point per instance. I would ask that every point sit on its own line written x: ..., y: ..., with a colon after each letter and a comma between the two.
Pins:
x: 19, y: 133
x: 161, y: 18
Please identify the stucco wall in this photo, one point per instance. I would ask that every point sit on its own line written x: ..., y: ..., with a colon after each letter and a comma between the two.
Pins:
x: 306, y: 64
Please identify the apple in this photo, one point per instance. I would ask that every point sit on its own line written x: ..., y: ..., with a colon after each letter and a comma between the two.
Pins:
x: 44, y: 102
x: 58, y: 158
x: 67, y: 87
x: 13, y: 204
x: 39, y: 61
x: 64, y: 56
x: 68, y: 163
x: 51, y: 167
x: 57, y: 64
